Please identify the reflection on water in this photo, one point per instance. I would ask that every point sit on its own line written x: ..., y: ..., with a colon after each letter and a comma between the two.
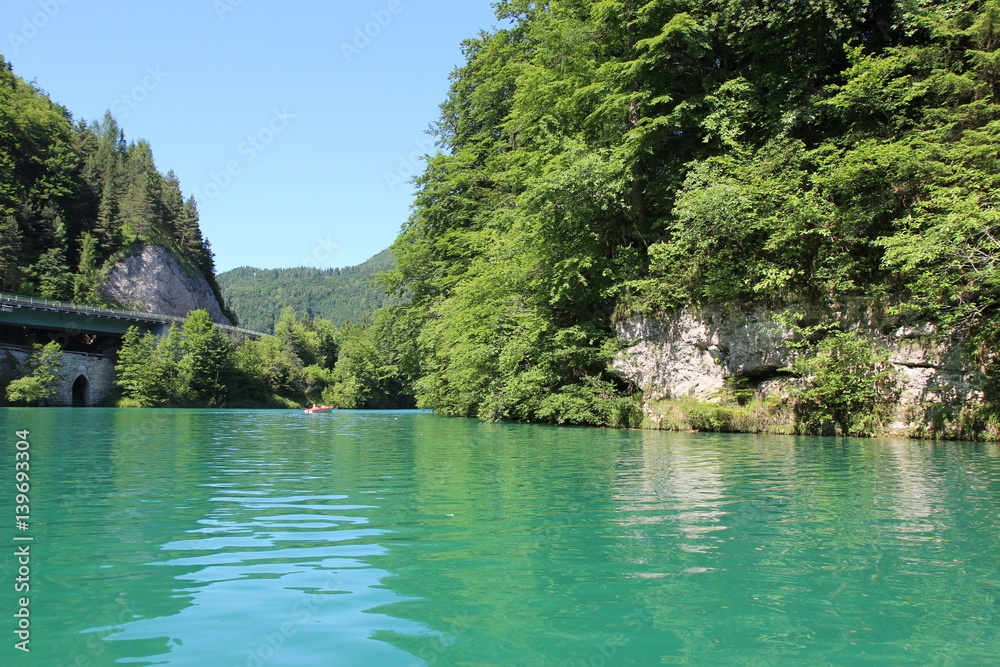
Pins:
x: 277, y: 538
x: 675, y: 483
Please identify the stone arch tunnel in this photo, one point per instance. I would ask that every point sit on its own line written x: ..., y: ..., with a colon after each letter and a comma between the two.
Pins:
x: 86, y: 379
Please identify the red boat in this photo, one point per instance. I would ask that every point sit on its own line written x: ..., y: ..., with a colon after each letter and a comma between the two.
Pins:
x: 318, y: 408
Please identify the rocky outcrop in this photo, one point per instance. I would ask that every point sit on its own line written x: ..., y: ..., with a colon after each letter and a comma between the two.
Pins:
x: 152, y: 279
x: 691, y: 352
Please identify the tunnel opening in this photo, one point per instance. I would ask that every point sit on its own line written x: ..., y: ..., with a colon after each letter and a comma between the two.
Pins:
x: 81, y: 392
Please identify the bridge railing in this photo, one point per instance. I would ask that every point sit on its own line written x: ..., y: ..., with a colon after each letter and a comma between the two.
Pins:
x: 119, y: 313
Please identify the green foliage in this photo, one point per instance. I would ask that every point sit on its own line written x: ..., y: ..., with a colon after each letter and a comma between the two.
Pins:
x: 576, y: 139
x: 371, y: 366
x: 147, y: 368
x: 312, y: 361
x: 256, y: 296
x: 848, y: 385
x: 206, y: 362
x: 881, y: 183
x: 758, y: 414
x: 39, y: 376
x: 759, y: 212
x: 194, y: 366
x: 737, y: 390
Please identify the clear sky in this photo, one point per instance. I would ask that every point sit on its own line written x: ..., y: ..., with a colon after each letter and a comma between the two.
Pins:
x: 295, y: 124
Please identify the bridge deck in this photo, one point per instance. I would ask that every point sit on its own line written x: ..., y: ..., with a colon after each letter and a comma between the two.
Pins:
x: 64, y: 315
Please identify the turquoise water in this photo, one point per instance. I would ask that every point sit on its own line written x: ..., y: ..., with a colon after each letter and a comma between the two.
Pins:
x: 252, y: 538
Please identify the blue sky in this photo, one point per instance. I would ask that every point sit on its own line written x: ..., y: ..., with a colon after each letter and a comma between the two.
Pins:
x: 295, y: 124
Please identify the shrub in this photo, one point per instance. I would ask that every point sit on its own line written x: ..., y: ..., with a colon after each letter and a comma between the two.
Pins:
x: 849, y: 386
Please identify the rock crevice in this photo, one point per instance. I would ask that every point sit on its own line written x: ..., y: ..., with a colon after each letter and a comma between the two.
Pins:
x: 692, y: 351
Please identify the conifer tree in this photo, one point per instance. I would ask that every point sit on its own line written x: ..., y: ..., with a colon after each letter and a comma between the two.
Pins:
x: 207, y: 365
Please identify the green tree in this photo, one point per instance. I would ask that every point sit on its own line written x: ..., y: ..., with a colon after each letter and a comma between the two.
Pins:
x: 41, y: 374
x: 86, y: 287
x: 207, y: 365
x: 148, y: 368
x: 848, y: 386
x: 140, y: 206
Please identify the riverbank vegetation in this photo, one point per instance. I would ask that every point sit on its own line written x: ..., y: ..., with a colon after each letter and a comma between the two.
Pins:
x: 306, y: 361
x: 37, y: 378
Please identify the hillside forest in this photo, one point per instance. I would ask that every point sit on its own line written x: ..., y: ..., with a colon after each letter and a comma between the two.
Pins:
x: 76, y: 196
x: 348, y: 294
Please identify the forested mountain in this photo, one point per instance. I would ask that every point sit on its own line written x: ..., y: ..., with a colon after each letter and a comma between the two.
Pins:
x: 339, y: 295
x: 74, y: 195
x: 601, y: 157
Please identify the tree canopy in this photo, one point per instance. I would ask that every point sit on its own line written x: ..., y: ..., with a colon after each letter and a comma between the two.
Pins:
x: 306, y: 361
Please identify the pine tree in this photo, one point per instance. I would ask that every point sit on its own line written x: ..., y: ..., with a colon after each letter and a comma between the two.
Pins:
x: 11, y: 266
x: 188, y: 232
x: 85, y: 283
x: 51, y: 270
x: 141, y: 209
x: 173, y: 206
x: 148, y: 368
x: 208, y: 362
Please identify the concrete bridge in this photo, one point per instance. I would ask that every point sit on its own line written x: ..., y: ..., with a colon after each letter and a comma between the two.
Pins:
x: 29, y: 311
x: 89, y: 335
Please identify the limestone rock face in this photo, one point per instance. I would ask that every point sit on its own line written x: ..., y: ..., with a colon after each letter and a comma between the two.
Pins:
x: 690, y: 353
x: 155, y: 281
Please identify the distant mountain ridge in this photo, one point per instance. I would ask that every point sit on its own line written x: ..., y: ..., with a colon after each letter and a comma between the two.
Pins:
x: 341, y: 295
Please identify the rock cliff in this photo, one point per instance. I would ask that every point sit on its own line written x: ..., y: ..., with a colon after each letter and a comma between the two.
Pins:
x: 691, y: 352
x: 152, y: 279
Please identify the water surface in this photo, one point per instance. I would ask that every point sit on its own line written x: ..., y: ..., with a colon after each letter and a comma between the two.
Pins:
x: 252, y: 538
